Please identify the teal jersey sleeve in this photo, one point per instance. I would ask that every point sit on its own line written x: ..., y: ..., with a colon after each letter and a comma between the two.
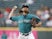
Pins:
x: 36, y: 17
x: 14, y: 18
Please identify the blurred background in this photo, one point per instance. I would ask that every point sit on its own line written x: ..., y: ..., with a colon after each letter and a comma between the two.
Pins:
x: 42, y: 8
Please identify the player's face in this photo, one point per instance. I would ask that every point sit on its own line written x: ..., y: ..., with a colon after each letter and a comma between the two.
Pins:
x: 25, y: 9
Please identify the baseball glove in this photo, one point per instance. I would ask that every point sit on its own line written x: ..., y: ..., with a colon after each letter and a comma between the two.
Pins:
x: 33, y: 22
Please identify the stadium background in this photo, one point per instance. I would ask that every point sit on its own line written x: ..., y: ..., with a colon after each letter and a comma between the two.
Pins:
x: 44, y: 32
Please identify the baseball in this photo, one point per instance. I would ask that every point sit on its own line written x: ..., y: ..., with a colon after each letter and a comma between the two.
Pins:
x: 15, y: 6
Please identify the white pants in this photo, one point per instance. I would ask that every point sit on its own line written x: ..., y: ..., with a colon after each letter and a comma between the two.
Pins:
x: 30, y: 36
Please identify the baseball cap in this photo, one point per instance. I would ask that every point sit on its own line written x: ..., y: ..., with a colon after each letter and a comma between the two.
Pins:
x: 25, y: 6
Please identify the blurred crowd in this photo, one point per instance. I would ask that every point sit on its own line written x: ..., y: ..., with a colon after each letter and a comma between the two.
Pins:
x: 44, y: 13
x: 4, y: 21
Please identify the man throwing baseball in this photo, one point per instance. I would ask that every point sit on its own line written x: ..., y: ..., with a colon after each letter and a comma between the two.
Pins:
x: 24, y: 22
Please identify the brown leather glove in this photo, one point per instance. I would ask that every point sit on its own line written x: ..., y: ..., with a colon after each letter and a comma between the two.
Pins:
x: 33, y: 22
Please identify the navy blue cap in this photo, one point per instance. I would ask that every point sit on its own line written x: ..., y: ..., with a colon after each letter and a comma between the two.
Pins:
x: 25, y: 6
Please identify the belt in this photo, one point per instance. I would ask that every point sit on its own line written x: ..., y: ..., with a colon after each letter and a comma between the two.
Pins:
x: 25, y: 34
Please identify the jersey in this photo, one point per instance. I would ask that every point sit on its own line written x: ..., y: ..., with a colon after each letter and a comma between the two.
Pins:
x: 24, y: 22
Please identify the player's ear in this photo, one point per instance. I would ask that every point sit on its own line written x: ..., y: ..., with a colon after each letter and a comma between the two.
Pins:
x: 20, y: 11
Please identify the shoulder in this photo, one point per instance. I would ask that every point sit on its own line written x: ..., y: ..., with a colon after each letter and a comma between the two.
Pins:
x: 31, y: 14
x: 34, y: 16
x: 19, y: 16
